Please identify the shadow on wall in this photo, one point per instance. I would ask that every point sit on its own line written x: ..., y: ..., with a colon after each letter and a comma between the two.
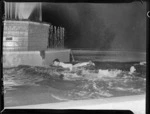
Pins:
x: 99, y: 26
x: 84, y: 29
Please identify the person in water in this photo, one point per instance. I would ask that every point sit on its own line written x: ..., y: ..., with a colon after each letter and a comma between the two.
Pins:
x: 69, y: 66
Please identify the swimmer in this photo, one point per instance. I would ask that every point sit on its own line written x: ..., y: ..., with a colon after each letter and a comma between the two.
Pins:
x: 69, y: 66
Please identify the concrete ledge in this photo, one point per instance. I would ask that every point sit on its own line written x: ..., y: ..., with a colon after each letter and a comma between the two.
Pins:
x: 109, y: 56
x: 34, y: 58
x: 135, y: 103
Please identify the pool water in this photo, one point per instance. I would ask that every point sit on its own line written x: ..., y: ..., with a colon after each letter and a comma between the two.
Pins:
x: 26, y: 85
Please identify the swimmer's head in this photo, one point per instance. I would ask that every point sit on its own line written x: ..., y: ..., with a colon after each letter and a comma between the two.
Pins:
x: 56, y: 62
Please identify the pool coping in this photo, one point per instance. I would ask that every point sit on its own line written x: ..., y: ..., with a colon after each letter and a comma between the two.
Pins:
x: 135, y: 103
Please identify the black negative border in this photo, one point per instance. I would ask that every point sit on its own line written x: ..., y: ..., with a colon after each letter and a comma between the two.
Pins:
x: 20, y: 111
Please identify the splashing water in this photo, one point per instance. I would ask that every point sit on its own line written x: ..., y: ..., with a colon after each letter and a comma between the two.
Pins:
x: 84, y: 83
x: 143, y: 63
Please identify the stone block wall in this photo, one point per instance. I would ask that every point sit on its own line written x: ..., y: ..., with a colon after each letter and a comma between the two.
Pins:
x: 25, y: 36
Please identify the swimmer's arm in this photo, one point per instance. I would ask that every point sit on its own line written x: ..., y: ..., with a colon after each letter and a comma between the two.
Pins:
x: 81, y: 64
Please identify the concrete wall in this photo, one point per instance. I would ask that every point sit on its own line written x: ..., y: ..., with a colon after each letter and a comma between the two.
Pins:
x: 34, y: 58
x: 38, y: 36
x: 62, y: 55
x: 15, y: 35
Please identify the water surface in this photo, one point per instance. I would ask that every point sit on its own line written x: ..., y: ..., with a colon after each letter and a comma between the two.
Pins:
x: 26, y: 85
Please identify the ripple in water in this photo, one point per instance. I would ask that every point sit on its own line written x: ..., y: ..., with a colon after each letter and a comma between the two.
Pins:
x: 84, y: 83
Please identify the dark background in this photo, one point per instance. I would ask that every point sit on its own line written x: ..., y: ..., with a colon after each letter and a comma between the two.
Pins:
x: 104, y: 26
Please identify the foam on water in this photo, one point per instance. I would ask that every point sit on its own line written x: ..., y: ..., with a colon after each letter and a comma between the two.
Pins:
x: 90, y: 83
x: 99, y: 83
x: 92, y: 74
x: 143, y: 63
